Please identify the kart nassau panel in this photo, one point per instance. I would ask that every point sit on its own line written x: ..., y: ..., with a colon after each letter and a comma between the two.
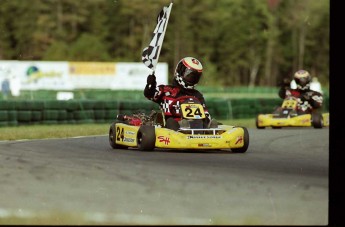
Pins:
x: 325, y: 117
x: 265, y: 120
x: 228, y: 137
x: 126, y: 134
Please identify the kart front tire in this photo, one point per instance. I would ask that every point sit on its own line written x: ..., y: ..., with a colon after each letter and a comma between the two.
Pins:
x: 245, y: 142
x: 317, y: 120
x: 146, y: 138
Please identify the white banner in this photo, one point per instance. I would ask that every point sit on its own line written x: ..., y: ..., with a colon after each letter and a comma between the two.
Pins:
x: 33, y: 75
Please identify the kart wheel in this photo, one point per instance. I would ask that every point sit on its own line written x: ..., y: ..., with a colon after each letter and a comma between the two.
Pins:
x: 245, y: 142
x: 317, y: 120
x: 112, y: 137
x: 146, y: 138
x: 257, y: 123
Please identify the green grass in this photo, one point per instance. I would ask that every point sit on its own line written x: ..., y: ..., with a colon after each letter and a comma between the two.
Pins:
x: 66, y: 130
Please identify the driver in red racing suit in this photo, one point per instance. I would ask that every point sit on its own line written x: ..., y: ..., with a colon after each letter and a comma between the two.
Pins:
x: 308, y: 100
x: 188, y: 72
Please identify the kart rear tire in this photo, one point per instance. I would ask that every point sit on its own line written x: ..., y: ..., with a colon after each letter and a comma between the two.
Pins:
x: 317, y: 120
x: 112, y: 137
x: 246, y: 142
x: 146, y: 138
x: 257, y: 123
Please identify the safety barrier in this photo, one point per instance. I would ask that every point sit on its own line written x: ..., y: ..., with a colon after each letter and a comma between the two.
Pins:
x: 107, y: 94
x: 22, y: 112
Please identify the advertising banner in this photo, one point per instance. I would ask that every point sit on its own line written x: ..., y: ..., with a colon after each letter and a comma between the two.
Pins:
x: 60, y: 75
x: 33, y: 75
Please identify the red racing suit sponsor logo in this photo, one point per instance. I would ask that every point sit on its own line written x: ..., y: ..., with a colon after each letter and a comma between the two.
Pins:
x: 166, y: 140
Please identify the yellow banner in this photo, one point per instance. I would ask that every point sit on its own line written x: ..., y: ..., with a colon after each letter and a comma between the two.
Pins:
x: 91, y: 68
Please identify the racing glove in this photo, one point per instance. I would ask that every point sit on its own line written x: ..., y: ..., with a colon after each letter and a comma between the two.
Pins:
x: 284, y: 87
x: 208, y: 115
x: 306, y: 97
x: 150, y: 87
x: 151, y: 79
x: 285, y: 83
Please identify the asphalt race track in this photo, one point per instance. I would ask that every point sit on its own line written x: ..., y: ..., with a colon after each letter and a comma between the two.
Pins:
x: 281, y: 180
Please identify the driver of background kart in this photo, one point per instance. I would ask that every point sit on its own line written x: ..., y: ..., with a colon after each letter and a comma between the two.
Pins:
x: 308, y: 100
x: 188, y: 73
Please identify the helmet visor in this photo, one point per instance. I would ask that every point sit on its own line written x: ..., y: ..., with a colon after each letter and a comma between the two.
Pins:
x: 302, y: 81
x: 191, y: 76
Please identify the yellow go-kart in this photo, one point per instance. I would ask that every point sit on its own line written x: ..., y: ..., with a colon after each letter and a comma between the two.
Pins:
x: 286, y: 116
x: 147, y: 132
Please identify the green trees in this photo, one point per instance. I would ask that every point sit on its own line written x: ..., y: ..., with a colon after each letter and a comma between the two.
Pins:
x: 240, y: 42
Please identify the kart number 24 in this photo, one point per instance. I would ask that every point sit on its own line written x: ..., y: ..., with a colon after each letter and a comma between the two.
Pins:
x: 120, y: 133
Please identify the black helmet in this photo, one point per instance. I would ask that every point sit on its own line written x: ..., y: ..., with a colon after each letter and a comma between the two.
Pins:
x: 302, y: 79
x: 188, y: 72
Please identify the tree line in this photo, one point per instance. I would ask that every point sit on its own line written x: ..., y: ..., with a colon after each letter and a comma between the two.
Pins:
x: 240, y: 42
